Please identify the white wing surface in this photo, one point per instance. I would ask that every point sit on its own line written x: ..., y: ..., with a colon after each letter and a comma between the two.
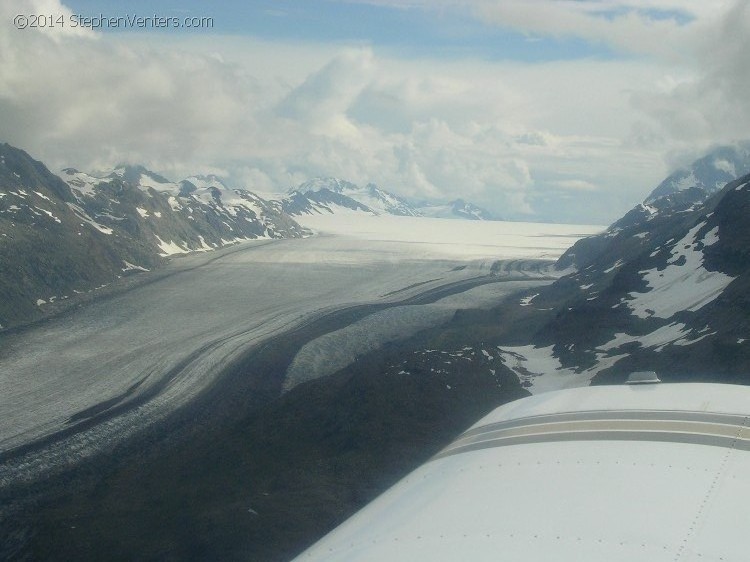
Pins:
x: 655, y: 472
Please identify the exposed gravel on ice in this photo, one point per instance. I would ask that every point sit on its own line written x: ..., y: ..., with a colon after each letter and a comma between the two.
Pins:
x: 335, y: 350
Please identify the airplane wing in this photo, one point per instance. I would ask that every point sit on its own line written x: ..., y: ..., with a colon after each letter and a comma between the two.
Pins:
x: 657, y: 472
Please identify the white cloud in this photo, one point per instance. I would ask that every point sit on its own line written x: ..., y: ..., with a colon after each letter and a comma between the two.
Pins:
x: 565, y: 139
x: 575, y: 185
x: 424, y: 129
x: 58, y: 29
x: 712, y: 106
x: 325, y: 96
x: 666, y: 28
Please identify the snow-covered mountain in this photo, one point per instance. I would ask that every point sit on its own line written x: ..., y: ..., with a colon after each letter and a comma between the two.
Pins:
x: 321, y: 195
x: 668, y: 292
x: 707, y: 175
x: 321, y: 202
x: 665, y: 288
x: 384, y: 202
x: 52, y: 248
x: 199, y: 213
x: 330, y: 195
x: 64, y: 236
x: 457, y: 209
x: 682, y: 191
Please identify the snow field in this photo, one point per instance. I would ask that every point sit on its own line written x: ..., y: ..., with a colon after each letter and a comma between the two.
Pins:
x: 685, y: 284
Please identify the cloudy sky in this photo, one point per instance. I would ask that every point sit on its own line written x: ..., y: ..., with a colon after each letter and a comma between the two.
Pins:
x: 544, y: 110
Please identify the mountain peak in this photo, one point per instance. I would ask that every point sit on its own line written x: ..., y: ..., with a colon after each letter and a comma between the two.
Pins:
x: 383, y: 202
x: 134, y: 173
x: 333, y: 184
x: 205, y: 181
x: 709, y: 173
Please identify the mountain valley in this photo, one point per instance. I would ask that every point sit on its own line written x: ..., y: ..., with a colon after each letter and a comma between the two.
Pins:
x: 247, y: 447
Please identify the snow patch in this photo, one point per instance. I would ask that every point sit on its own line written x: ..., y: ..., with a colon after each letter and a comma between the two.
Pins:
x: 81, y: 214
x: 540, y: 371
x: 170, y: 248
x: 174, y: 203
x: 145, y: 181
x: 711, y: 237
x: 526, y: 301
x: 131, y: 267
x: 203, y: 247
x: 80, y: 183
x: 49, y: 214
x: 686, y: 182
x: 619, y: 263
x: 680, y: 287
x: 657, y: 339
